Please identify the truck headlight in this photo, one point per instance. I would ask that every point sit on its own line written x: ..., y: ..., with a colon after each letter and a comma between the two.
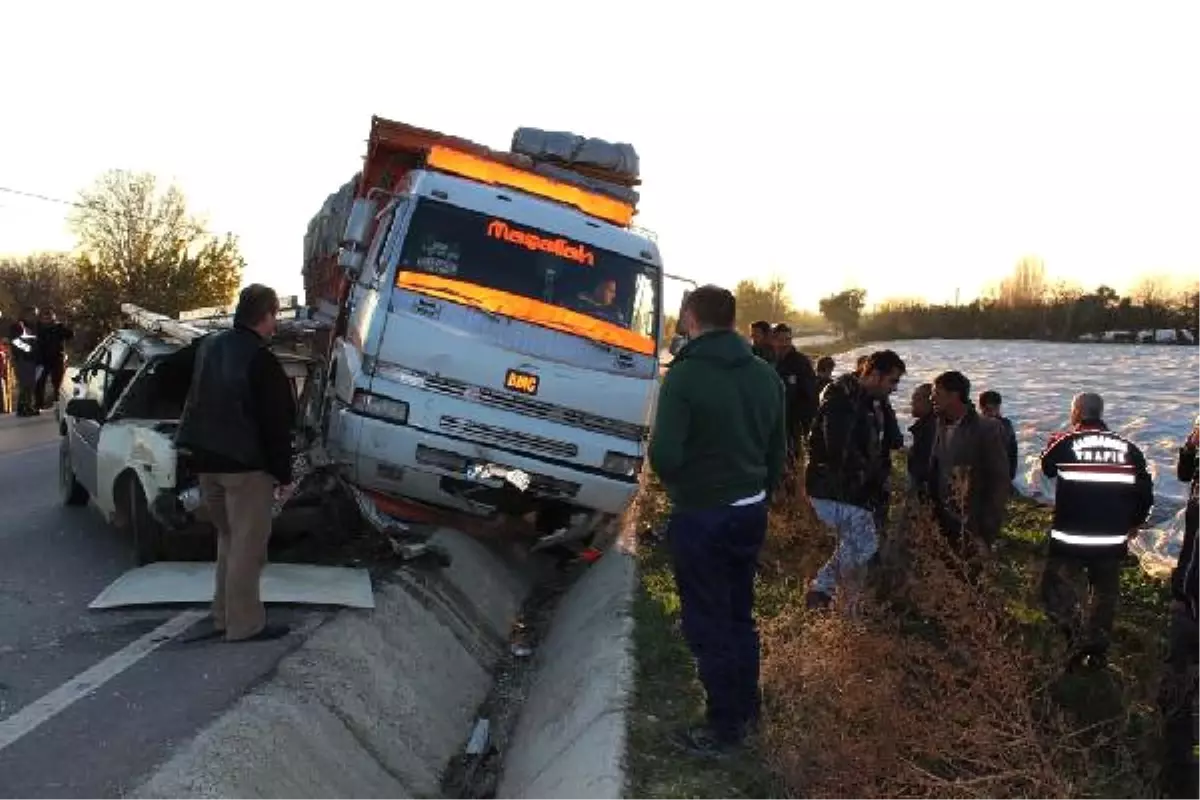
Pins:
x: 621, y: 464
x: 372, y: 405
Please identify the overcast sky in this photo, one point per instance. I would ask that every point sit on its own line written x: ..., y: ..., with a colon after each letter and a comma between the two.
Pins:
x: 909, y: 148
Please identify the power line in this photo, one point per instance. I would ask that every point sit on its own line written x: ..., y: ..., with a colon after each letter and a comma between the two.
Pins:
x: 89, y: 206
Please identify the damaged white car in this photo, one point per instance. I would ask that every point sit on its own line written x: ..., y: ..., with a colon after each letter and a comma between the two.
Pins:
x: 118, y: 416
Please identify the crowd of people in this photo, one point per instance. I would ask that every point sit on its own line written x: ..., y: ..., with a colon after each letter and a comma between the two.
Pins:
x: 33, y: 357
x: 736, y: 418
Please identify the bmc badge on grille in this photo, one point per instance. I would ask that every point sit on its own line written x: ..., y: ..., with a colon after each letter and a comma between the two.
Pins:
x: 523, y: 382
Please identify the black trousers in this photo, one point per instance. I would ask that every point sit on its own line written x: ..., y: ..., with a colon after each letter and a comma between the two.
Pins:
x: 715, y: 556
x: 1086, y: 617
x: 54, y: 371
x: 1177, y: 700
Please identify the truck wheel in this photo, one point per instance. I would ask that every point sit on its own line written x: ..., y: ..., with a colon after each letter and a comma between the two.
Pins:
x: 73, y: 493
x: 147, y: 532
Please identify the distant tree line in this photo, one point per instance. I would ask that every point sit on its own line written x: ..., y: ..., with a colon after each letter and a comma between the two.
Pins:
x: 134, y: 244
x: 1024, y: 306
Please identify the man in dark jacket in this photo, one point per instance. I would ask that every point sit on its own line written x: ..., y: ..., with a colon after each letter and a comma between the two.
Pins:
x: 1178, y: 687
x: 760, y: 341
x: 989, y: 406
x: 969, y: 468
x: 825, y: 367
x: 1103, y: 493
x: 924, y: 431
x: 846, y: 473
x: 23, y: 341
x: 52, y: 352
x: 718, y: 448
x: 236, y: 430
x: 800, y: 385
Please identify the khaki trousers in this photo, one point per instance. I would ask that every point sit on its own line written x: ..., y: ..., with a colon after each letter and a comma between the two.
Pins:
x: 239, y: 504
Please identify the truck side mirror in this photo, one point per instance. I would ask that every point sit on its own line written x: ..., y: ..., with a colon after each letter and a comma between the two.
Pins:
x: 679, y: 330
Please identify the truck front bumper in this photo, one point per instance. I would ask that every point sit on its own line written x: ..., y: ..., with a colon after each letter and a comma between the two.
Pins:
x: 410, y: 462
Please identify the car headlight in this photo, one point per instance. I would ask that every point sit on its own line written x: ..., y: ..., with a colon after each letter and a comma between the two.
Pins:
x: 372, y: 405
x: 621, y: 464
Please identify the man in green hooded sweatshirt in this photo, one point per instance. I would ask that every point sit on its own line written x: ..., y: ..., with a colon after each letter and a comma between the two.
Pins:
x: 719, y: 447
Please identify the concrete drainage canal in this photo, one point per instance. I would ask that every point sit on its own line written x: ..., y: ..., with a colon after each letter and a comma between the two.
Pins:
x: 493, y: 677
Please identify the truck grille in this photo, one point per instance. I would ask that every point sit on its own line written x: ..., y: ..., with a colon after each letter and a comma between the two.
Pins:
x: 536, y: 408
x: 477, y: 431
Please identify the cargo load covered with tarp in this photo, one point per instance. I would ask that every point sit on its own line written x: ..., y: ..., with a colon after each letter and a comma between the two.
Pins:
x: 321, y: 244
x: 611, y: 168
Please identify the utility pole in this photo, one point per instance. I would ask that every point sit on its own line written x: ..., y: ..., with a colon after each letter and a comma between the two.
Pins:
x: 956, y: 296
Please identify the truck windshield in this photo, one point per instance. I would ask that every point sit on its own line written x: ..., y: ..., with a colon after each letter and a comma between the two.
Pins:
x: 537, y: 276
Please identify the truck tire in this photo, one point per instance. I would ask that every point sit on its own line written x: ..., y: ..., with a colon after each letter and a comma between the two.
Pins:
x: 146, y: 531
x: 72, y: 491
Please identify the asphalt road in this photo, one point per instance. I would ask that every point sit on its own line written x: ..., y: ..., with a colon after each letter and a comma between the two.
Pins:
x: 53, y: 561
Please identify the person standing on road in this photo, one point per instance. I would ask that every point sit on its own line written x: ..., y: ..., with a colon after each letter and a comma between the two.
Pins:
x: 718, y: 448
x: 846, y: 474
x: 760, y: 341
x: 989, y: 406
x: 23, y: 339
x: 1178, y: 688
x: 236, y: 429
x: 969, y: 468
x: 800, y: 386
x: 52, y: 355
x: 1103, y: 493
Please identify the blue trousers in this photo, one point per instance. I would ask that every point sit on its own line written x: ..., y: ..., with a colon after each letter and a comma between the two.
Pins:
x: 715, y: 555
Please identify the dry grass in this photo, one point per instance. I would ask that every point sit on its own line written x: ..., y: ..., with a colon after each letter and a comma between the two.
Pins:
x: 937, y: 687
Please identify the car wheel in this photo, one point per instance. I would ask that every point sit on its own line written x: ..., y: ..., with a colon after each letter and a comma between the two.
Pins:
x: 73, y: 493
x: 147, y: 532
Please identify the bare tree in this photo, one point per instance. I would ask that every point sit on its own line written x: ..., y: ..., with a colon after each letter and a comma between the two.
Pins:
x: 142, y: 245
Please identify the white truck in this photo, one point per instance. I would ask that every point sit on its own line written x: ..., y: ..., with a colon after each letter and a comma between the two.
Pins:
x: 496, y: 327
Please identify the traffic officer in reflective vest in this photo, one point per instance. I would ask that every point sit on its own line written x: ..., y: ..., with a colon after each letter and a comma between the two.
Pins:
x: 1104, y: 492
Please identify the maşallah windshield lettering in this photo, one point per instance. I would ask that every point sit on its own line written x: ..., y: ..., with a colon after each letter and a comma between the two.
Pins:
x: 498, y: 229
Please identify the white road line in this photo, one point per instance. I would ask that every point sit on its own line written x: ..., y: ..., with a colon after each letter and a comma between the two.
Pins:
x: 39, y: 711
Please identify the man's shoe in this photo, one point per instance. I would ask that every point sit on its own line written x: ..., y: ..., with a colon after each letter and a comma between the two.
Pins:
x: 702, y: 742
x: 267, y: 634
x: 205, y: 630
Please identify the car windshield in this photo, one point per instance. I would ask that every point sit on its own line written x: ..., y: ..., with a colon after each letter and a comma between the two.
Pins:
x: 494, y: 264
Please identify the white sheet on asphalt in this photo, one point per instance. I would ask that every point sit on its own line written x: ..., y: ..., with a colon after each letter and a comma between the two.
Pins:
x: 169, y: 582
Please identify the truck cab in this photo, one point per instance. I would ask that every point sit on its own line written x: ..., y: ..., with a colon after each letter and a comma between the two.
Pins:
x: 500, y: 347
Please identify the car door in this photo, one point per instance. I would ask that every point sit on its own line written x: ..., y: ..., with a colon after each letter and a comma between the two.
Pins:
x: 96, y: 383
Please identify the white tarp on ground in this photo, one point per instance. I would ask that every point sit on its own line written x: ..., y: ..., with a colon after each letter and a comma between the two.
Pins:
x: 192, y: 582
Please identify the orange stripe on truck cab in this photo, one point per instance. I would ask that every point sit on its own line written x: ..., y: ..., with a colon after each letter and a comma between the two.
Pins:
x: 481, y: 169
x: 526, y: 309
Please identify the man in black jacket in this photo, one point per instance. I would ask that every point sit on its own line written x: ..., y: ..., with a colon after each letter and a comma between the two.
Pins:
x: 760, y: 341
x: 52, y: 352
x: 846, y: 473
x: 236, y: 429
x: 1178, y: 687
x: 1103, y: 493
x: 23, y: 342
x: 800, y: 387
x: 989, y: 406
x: 924, y: 432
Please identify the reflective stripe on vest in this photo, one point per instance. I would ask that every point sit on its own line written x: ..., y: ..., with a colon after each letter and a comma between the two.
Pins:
x: 1085, y: 476
x: 1088, y: 541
